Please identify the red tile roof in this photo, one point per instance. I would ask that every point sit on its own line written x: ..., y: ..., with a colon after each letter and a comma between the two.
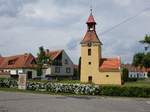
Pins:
x: 109, y: 64
x: 19, y: 61
x: 53, y: 54
x: 135, y: 69
x: 90, y: 36
x: 75, y: 66
x: 1, y: 59
x: 91, y: 19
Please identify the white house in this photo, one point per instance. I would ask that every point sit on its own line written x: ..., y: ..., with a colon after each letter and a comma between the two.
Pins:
x: 18, y: 64
x: 137, y: 72
x: 61, y: 67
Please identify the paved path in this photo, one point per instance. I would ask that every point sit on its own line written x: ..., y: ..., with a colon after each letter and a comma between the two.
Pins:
x: 26, y: 102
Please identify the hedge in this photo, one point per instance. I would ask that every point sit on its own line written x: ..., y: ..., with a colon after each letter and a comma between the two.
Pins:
x: 80, y: 89
x: 8, y: 83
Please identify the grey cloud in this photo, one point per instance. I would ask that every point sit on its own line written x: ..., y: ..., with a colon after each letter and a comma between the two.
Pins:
x: 68, y: 27
x: 73, y: 43
x: 11, y: 8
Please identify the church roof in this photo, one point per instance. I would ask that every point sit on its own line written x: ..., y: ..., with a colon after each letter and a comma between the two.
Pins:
x: 91, y: 19
x: 109, y: 64
x: 90, y: 36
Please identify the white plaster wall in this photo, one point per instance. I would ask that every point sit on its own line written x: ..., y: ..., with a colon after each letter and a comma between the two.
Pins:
x: 138, y: 75
x: 51, y: 69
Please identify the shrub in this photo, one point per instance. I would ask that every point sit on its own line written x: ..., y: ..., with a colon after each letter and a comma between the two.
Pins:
x: 125, y: 73
x: 8, y: 83
x: 83, y: 89
x: 128, y: 91
x: 80, y: 89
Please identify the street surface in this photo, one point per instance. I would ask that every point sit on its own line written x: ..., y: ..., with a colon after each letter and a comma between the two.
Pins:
x: 28, y: 102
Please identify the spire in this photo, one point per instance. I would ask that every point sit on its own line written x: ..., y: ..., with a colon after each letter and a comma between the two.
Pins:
x: 91, y: 22
x: 91, y: 35
x: 91, y: 18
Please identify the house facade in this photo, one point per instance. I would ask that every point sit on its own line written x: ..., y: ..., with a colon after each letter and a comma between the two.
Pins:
x: 61, y: 67
x: 12, y: 66
x: 94, y: 68
x: 137, y: 72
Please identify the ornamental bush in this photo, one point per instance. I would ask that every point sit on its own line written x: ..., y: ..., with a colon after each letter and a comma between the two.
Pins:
x: 8, y: 83
x: 128, y: 91
x: 80, y: 89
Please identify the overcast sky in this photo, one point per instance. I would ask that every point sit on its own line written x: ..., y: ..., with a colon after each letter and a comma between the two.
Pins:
x: 26, y: 25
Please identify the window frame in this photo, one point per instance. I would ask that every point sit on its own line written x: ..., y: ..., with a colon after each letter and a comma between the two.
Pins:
x: 57, y: 69
x: 68, y: 70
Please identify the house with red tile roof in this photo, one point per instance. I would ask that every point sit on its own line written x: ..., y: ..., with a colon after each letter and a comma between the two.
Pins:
x: 136, y: 72
x: 95, y: 68
x: 18, y: 64
x: 61, y: 66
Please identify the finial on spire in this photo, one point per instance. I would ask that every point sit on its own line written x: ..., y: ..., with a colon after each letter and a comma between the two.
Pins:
x: 91, y: 8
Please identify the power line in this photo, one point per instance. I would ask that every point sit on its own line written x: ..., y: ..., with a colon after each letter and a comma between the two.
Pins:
x: 124, y: 21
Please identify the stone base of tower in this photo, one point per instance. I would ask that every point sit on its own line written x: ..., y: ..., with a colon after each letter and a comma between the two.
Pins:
x: 112, y: 78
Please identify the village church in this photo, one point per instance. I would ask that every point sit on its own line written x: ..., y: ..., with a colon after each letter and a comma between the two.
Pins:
x: 95, y: 68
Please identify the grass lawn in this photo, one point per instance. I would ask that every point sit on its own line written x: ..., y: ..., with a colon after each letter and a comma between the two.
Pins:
x: 140, y: 83
x: 34, y: 92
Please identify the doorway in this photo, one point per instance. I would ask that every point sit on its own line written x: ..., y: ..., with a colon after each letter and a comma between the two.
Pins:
x: 90, y: 79
x: 29, y: 74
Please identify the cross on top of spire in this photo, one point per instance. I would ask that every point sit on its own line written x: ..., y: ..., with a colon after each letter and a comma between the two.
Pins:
x: 91, y: 18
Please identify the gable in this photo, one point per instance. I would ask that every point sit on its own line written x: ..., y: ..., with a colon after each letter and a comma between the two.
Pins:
x: 66, y: 57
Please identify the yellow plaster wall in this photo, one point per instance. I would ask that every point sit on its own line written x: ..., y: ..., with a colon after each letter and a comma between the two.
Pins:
x: 93, y: 70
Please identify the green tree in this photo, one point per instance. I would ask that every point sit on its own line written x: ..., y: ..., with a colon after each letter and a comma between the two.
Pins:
x: 79, y: 67
x: 148, y: 74
x: 138, y: 59
x: 42, y: 59
x: 146, y: 40
x: 146, y: 60
x: 125, y: 73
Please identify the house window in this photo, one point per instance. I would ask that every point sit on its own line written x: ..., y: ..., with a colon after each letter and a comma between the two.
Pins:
x: 90, y: 79
x: 68, y: 70
x: 89, y: 52
x: 89, y: 63
x: 66, y: 61
x: 11, y: 62
x: 57, y: 69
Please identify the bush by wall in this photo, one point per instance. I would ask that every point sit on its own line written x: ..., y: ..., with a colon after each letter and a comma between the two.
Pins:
x: 8, y: 83
x: 128, y: 91
x: 80, y: 89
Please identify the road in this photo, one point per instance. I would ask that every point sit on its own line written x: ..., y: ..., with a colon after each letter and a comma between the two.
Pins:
x: 27, y: 102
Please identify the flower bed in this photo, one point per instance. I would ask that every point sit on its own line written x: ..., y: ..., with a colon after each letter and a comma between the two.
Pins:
x: 83, y: 89
x: 80, y: 89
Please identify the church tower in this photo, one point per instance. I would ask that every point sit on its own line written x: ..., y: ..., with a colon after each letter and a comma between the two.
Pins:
x: 90, y: 51
x: 94, y: 68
